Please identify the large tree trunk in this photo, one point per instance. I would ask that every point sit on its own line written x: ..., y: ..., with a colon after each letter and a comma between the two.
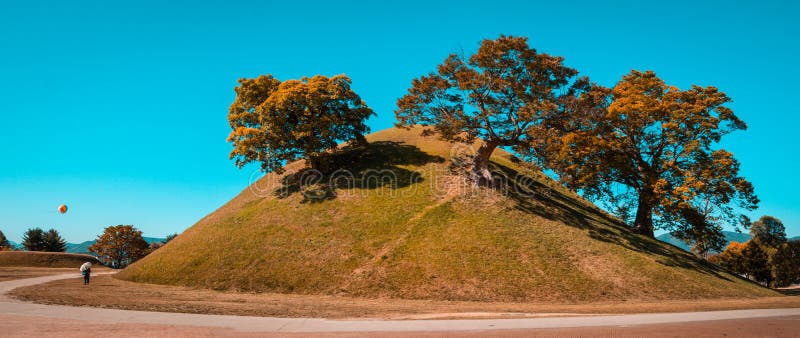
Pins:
x: 480, y: 168
x: 644, y: 217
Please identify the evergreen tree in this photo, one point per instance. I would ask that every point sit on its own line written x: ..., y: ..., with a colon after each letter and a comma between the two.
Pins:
x: 53, y: 242
x: 33, y: 239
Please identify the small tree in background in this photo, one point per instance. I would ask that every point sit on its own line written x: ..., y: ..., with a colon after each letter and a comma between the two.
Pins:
x: 4, y: 243
x: 768, y: 231
x: 276, y: 122
x: 767, y: 258
x: 53, y: 242
x: 33, y: 239
x: 785, y: 264
x: 120, y: 246
x: 756, y: 263
x: 170, y: 237
x: 732, y: 258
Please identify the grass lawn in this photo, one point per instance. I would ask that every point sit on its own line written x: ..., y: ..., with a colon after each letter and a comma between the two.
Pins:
x: 426, y: 235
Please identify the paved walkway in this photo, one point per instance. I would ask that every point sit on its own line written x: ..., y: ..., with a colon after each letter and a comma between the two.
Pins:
x: 266, y: 324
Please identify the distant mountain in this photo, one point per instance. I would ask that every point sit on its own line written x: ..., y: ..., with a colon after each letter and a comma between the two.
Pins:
x: 80, y: 247
x: 730, y: 236
x: 15, y: 244
x: 795, y: 238
x: 84, y: 247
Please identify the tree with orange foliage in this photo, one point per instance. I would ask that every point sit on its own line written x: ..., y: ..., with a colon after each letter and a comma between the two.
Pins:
x: 275, y: 122
x: 652, y: 146
x: 731, y: 258
x: 120, y: 245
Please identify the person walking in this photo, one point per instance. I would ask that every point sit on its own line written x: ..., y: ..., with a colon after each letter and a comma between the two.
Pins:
x: 86, y: 271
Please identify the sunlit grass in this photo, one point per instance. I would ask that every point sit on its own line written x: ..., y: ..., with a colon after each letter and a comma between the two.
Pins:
x: 419, y: 242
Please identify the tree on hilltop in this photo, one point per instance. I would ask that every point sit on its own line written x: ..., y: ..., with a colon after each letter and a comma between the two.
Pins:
x: 275, y: 122
x: 652, y: 146
x: 500, y: 95
x: 120, y: 245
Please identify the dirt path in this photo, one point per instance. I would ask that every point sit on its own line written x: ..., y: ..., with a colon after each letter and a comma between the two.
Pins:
x: 23, y: 272
x: 22, y: 313
x: 28, y: 326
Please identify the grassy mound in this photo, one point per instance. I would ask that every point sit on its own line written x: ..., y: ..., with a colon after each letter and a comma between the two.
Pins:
x: 44, y: 259
x: 401, y: 222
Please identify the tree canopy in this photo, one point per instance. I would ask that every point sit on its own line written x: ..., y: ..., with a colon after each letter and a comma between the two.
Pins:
x: 651, y: 145
x: 33, y: 239
x: 274, y: 122
x: 732, y: 258
x: 768, y: 257
x: 768, y: 231
x: 500, y: 95
x: 120, y: 245
x: 53, y: 242
x: 36, y: 239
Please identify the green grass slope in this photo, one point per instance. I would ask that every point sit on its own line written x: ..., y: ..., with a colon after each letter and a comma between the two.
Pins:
x: 426, y: 234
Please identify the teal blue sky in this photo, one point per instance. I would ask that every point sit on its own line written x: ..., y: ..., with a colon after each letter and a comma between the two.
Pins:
x: 119, y: 109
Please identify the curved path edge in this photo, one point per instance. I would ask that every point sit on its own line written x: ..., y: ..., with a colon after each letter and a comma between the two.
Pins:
x: 272, y: 324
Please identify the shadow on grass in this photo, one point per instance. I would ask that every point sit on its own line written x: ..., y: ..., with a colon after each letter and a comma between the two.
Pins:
x: 789, y: 292
x: 376, y: 165
x: 535, y: 197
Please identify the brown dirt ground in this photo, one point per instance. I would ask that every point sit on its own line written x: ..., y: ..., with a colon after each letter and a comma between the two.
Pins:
x: 28, y: 326
x: 108, y: 292
x: 18, y: 272
x: 44, y: 259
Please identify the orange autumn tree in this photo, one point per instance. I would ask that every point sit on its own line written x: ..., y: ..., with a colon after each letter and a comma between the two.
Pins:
x: 732, y: 258
x: 648, y: 150
x: 276, y: 122
x: 120, y: 245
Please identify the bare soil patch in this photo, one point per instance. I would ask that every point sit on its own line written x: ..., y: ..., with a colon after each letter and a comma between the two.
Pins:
x: 109, y: 292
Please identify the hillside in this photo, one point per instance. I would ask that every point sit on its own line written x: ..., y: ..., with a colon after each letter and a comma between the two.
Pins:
x: 83, y: 248
x: 426, y: 234
x: 730, y: 236
x: 44, y: 259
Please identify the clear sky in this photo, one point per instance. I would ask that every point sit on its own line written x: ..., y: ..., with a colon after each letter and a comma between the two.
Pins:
x: 118, y: 109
